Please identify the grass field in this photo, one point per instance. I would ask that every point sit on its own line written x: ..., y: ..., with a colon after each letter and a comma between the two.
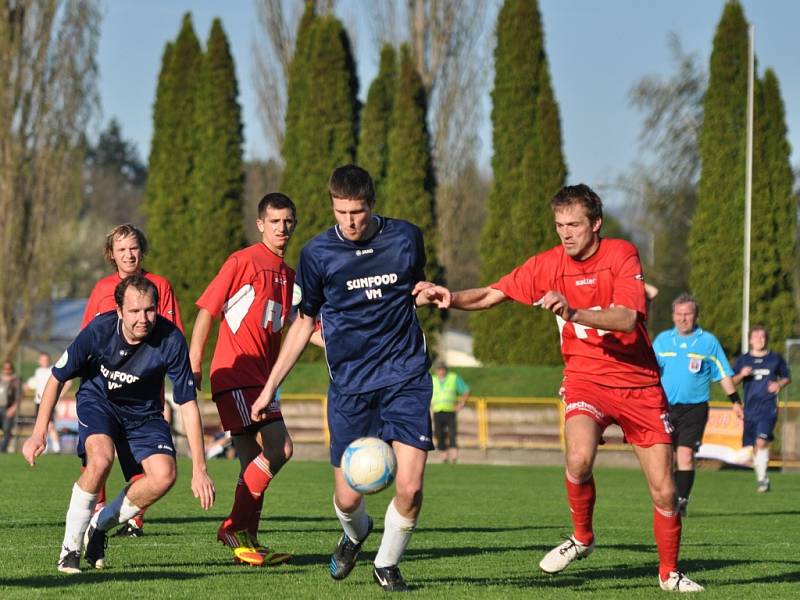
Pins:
x: 482, y: 532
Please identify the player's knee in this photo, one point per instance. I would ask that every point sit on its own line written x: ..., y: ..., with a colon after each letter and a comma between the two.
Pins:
x: 162, y: 479
x: 98, y: 467
x: 409, y: 494
x: 579, y: 464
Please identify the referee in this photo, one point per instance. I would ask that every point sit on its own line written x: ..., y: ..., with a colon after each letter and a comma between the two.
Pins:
x: 690, y: 358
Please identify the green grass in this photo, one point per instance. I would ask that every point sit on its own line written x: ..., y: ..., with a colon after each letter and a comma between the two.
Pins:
x: 482, y: 532
x: 514, y: 380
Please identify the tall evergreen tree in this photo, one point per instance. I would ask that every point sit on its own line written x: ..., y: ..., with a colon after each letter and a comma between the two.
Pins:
x: 172, y: 157
x: 528, y: 169
x: 774, y: 216
x: 324, y: 131
x: 373, y: 148
x: 716, y: 236
x: 217, y: 192
x: 410, y: 184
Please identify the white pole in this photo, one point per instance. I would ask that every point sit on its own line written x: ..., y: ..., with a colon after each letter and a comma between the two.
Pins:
x: 748, y: 192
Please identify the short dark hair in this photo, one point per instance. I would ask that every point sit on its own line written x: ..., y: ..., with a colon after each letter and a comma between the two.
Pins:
x: 352, y: 183
x: 686, y: 298
x: 138, y: 282
x: 275, y: 200
x: 759, y: 327
x: 582, y: 194
x: 120, y: 232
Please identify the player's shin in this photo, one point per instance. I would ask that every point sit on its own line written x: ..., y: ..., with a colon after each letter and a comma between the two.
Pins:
x: 760, y: 463
x: 397, y: 531
x: 81, y: 505
x: 117, y: 511
x: 249, y: 496
x: 355, y: 524
x: 667, y: 531
x: 581, y: 495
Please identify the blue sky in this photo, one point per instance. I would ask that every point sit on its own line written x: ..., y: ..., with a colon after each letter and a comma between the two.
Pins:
x: 597, y: 50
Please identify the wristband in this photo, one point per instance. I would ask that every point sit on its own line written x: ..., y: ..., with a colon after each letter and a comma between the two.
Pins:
x: 734, y: 398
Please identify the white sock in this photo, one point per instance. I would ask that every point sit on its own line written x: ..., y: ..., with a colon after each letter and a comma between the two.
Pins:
x: 356, y: 523
x: 79, y: 513
x: 760, y: 463
x: 118, y: 511
x: 397, y: 531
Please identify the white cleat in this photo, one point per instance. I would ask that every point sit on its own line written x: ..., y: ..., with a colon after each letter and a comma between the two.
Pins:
x: 559, y: 557
x: 763, y: 486
x: 678, y: 582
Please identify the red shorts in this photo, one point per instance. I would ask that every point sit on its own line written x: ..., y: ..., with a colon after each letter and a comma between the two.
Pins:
x: 234, y: 408
x: 642, y: 413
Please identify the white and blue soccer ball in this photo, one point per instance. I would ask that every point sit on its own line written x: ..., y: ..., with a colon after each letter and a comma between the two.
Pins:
x: 369, y: 465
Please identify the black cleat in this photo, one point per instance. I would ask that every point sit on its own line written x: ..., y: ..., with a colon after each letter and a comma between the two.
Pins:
x: 390, y: 579
x: 70, y: 562
x: 95, y: 543
x: 345, y: 554
x: 130, y: 529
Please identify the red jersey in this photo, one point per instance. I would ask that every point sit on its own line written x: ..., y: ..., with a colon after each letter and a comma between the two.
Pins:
x: 253, y: 291
x: 102, y: 299
x: 612, y: 276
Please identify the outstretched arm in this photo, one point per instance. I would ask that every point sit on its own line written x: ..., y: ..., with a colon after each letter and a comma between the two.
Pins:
x: 200, y: 332
x: 293, y: 345
x: 477, y: 298
x: 202, y: 485
x: 36, y: 444
x: 613, y: 318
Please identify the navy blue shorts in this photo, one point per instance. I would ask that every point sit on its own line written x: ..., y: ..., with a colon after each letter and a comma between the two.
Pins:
x: 399, y: 412
x: 759, y: 426
x: 133, y: 441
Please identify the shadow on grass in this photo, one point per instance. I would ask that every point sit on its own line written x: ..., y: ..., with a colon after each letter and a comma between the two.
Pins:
x: 58, y: 580
x: 738, y: 515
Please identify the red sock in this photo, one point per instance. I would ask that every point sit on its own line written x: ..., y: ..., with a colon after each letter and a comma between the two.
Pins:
x: 138, y: 519
x: 667, y: 530
x: 255, y: 521
x: 249, y: 496
x: 581, y: 497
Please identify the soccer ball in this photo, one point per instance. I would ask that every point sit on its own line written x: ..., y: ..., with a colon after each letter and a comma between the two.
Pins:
x: 369, y: 465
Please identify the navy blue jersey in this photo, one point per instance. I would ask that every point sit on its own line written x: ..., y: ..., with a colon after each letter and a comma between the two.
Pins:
x: 770, y: 367
x: 129, y: 376
x: 362, y: 294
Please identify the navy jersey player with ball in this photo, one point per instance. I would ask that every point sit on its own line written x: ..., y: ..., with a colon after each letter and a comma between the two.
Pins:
x: 357, y: 279
x: 122, y: 357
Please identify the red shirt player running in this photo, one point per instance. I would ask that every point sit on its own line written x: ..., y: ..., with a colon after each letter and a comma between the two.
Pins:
x: 595, y: 289
x: 125, y: 248
x: 253, y: 294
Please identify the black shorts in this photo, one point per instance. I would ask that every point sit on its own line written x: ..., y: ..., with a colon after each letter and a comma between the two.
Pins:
x: 444, y: 423
x: 689, y: 422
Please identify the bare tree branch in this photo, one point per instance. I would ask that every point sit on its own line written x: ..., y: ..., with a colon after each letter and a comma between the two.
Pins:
x: 47, y: 96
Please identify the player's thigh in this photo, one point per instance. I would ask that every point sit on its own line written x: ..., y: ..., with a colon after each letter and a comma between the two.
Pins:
x: 351, y: 416
x: 656, y: 463
x: 276, y: 443
x: 234, y: 407
x: 689, y: 423
x: 410, y: 466
x: 160, y: 469
x: 405, y: 413
x: 582, y: 435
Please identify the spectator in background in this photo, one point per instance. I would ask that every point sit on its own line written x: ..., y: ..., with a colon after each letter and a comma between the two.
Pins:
x: 450, y: 394
x: 9, y: 400
x: 690, y: 359
x: 764, y: 373
x: 36, y: 384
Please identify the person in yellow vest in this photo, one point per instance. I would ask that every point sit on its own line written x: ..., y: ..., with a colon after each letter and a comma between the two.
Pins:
x: 450, y: 394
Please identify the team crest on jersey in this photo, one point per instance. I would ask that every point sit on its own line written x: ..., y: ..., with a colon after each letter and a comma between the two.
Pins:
x: 297, y: 294
x: 695, y: 364
x: 62, y: 362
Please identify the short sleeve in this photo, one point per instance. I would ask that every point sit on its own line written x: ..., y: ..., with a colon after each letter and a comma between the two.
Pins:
x: 218, y: 291
x: 783, y: 369
x: 524, y: 284
x: 722, y: 366
x: 461, y: 385
x: 92, y: 308
x: 179, y: 369
x: 76, y: 356
x: 629, y: 282
x: 739, y: 363
x: 310, y: 284
x: 168, y: 306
